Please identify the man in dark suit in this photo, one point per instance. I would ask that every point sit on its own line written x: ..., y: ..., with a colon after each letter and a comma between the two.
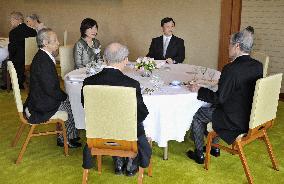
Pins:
x: 45, y: 96
x: 16, y: 46
x: 231, y: 104
x: 167, y: 47
x: 116, y: 56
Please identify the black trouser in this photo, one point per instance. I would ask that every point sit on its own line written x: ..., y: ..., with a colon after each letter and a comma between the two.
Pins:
x: 199, y: 127
x: 20, y: 69
x: 4, y: 72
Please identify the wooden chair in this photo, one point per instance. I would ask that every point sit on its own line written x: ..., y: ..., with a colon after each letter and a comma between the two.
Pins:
x: 58, y: 119
x: 111, y: 125
x: 263, y: 113
x: 264, y: 59
x: 66, y: 60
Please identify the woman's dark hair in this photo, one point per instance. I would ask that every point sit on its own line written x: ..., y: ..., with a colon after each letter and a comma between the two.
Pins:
x: 166, y: 20
x: 86, y: 24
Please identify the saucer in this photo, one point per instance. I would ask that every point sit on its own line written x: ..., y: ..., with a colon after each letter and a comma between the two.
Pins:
x: 175, y: 83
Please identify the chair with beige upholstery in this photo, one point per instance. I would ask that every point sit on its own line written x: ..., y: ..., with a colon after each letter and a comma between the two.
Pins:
x: 31, y: 49
x: 65, y: 33
x: 109, y: 129
x: 66, y: 59
x: 58, y: 119
x: 263, y: 114
x: 264, y: 59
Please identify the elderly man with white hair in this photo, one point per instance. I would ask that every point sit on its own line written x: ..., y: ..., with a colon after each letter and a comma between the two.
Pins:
x: 231, y: 104
x: 116, y: 56
x: 45, y: 96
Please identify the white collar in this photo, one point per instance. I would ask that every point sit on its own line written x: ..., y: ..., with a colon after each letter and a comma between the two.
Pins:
x: 164, y: 37
x: 112, y: 67
x: 50, y: 55
x: 244, y: 54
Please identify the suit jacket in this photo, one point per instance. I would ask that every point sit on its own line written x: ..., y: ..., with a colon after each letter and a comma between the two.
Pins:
x: 16, y: 44
x: 45, y: 95
x: 175, y: 49
x: 114, y: 77
x: 234, y: 97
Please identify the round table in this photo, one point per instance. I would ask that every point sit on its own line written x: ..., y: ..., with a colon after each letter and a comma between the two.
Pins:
x: 171, y: 108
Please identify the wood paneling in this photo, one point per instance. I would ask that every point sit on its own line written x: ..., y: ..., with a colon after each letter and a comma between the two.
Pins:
x: 230, y: 23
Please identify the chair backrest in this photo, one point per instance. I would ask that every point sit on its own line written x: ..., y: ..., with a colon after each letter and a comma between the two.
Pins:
x: 264, y: 59
x: 66, y: 59
x: 110, y: 112
x: 31, y: 49
x: 15, y: 85
x: 265, y: 100
x: 65, y: 37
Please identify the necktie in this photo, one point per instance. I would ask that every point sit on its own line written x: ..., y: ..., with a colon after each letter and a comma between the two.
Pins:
x: 165, y: 46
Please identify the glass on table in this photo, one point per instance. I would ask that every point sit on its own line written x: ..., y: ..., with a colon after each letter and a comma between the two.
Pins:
x: 211, y: 74
x: 203, y: 70
x: 157, y: 82
x: 195, y: 72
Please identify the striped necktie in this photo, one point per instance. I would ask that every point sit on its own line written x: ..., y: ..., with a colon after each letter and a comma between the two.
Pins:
x: 165, y: 46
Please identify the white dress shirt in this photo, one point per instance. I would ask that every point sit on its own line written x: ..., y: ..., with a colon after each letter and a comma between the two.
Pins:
x: 50, y: 55
x: 166, y: 41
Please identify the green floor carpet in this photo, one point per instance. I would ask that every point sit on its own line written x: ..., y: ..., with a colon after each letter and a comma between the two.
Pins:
x: 44, y: 162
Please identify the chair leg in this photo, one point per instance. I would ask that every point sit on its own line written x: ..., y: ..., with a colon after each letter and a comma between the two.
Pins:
x: 244, y: 162
x: 99, y: 162
x: 18, y: 135
x: 140, y: 175
x: 270, y: 151
x: 25, y: 144
x: 150, y: 168
x: 208, y: 149
x: 165, y: 156
x: 85, y: 176
x: 64, y: 139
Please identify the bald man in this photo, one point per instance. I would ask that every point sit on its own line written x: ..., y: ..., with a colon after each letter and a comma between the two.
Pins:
x: 116, y: 56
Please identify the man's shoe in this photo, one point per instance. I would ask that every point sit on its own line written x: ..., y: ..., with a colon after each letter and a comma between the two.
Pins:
x: 131, y: 166
x: 118, y: 165
x: 131, y: 173
x: 214, y: 151
x: 119, y: 170
x: 197, y: 157
x: 70, y: 145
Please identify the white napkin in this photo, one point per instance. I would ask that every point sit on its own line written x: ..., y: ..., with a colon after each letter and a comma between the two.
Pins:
x: 77, y: 77
x: 160, y: 63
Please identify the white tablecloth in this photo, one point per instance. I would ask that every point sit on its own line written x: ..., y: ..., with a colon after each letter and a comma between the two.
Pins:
x: 3, y: 49
x: 171, y: 108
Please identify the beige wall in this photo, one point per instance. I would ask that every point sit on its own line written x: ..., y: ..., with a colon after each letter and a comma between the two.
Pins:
x: 132, y: 22
x: 267, y: 18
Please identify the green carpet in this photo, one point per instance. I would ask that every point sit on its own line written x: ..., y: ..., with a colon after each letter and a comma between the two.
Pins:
x: 45, y: 163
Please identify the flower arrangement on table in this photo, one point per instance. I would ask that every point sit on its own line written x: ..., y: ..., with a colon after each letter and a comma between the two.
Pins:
x: 146, y: 65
